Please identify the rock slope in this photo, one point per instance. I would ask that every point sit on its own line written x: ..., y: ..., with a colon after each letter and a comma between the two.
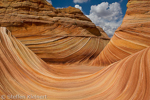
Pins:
x: 55, y: 35
x: 127, y: 76
x: 132, y: 36
x: 25, y: 13
x: 23, y: 73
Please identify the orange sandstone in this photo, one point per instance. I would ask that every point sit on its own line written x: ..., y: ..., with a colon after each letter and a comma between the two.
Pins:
x: 55, y: 35
x: 123, y: 71
x: 132, y: 36
x: 23, y: 73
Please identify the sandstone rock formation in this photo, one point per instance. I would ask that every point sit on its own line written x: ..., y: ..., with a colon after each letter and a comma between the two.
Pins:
x: 103, y: 34
x: 132, y: 36
x: 23, y: 73
x: 29, y: 14
x: 55, y: 35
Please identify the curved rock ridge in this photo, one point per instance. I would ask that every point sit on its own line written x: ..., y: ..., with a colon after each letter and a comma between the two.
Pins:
x: 132, y: 36
x: 56, y: 35
x: 65, y: 49
x: 26, y: 13
x: 23, y: 73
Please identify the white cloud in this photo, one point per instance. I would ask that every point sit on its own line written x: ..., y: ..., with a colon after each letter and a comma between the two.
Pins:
x: 108, y: 16
x: 49, y: 1
x: 79, y: 7
x: 120, y: 1
x: 80, y: 1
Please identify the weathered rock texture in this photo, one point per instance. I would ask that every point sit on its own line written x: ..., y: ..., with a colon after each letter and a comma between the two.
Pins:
x: 56, y: 35
x: 35, y: 13
x: 132, y: 36
x: 23, y: 73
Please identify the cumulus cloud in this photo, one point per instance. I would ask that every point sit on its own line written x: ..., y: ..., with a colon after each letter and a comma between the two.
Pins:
x: 108, y: 16
x: 49, y: 1
x: 80, y: 1
x: 79, y: 7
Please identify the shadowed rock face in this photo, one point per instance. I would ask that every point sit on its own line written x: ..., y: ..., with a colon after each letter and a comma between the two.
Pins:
x: 132, y: 36
x: 55, y: 35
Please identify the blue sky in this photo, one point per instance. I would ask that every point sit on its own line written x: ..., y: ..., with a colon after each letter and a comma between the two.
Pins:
x: 107, y: 14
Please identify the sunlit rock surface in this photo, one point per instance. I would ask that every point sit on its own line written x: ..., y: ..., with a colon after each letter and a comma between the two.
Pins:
x: 132, y: 36
x: 24, y: 73
x: 55, y: 35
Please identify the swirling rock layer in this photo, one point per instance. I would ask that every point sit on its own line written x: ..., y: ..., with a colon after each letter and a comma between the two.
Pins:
x: 65, y: 49
x: 55, y: 35
x: 23, y: 73
x: 28, y: 13
x: 132, y: 36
